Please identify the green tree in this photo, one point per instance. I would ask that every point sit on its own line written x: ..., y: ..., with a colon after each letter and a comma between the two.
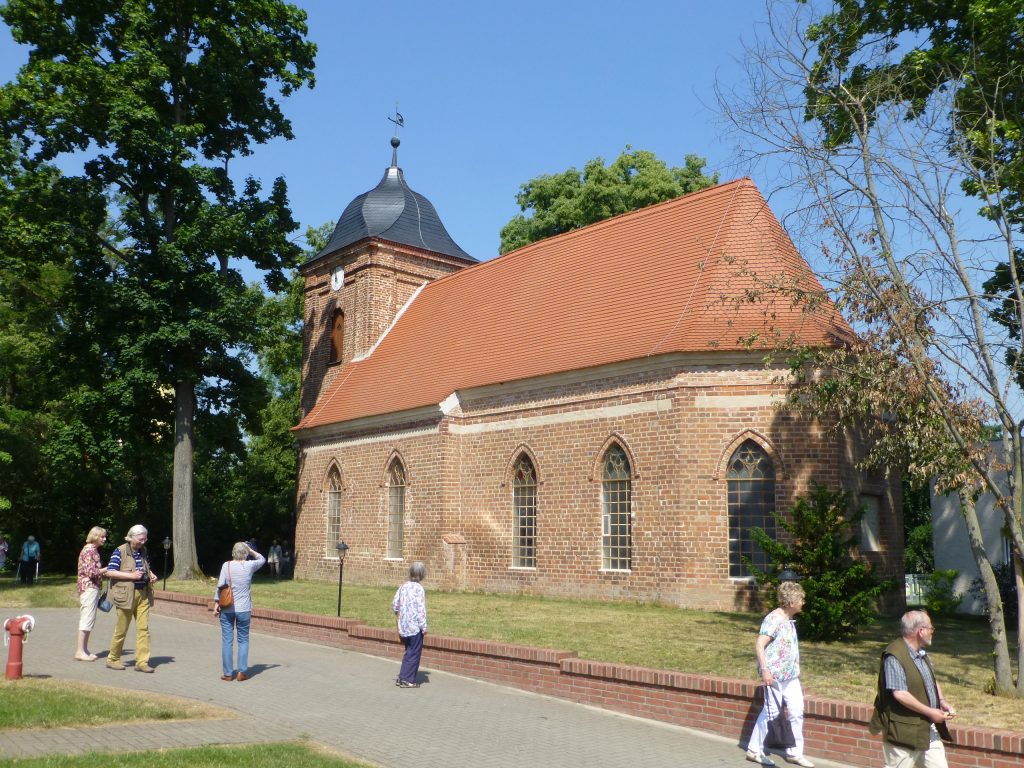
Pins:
x: 819, y: 535
x: 49, y: 369
x: 878, y: 111
x: 160, y: 97
x: 250, y: 489
x: 964, y: 59
x: 552, y: 204
x: 974, y: 48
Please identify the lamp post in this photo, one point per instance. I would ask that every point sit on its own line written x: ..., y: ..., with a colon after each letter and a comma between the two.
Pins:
x: 342, y: 551
x: 788, y: 574
x: 167, y: 551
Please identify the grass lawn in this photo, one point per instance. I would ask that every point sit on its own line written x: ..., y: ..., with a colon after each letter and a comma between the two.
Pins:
x: 658, y: 636
x: 278, y: 755
x: 51, y: 703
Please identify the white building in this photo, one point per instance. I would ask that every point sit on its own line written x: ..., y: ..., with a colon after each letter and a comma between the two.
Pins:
x: 952, y: 547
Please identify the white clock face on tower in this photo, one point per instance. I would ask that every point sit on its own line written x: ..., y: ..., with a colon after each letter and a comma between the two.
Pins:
x: 337, y: 279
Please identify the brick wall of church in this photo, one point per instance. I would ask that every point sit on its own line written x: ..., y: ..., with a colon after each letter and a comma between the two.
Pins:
x: 678, y: 425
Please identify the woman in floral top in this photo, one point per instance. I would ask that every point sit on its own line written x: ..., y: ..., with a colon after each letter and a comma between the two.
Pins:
x: 90, y: 579
x: 778, y: 661
x: 410, y: 606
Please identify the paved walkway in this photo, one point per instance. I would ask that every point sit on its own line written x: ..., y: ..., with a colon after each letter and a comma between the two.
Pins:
x: 347, y: 701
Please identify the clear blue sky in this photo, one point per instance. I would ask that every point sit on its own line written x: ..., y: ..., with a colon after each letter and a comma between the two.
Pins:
x: 494, y: 94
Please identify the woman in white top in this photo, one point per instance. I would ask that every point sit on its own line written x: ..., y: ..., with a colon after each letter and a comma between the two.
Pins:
x: 238, y: 573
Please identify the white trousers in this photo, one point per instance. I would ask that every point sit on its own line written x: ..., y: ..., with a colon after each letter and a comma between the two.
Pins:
x: 87, y: 602
x: 793, y: 693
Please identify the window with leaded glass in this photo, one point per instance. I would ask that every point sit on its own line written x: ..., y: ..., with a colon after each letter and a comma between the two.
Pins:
x: 616, y: 519
x: 524, y: 509
x: 751, y: 481
x: 396, y: 509
x: 333, y: 514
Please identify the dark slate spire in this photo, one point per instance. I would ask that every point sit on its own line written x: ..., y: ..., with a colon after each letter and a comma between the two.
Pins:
x: 392, y: 211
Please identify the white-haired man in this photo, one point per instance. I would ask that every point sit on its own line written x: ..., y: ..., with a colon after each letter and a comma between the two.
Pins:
x: 130, y: 563
x: 910, y: 711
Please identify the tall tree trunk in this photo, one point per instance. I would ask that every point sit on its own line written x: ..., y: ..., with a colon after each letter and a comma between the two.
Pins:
x: 186, y: 564
x: 993, y: 601
x: 1018, y: 577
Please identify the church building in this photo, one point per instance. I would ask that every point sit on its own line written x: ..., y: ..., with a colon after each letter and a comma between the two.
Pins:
x: 588, y: 416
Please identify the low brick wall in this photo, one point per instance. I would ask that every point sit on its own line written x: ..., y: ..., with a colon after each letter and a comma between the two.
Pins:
x: 724, y: 706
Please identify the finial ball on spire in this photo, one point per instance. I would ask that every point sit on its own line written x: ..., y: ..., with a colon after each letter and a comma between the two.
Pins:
x: 395, y: 141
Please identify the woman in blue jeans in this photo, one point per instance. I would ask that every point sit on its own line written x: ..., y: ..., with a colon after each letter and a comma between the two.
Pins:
x: 238, y: 573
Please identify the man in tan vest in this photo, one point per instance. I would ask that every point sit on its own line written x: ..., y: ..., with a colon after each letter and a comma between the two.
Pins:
x: 910, y: 711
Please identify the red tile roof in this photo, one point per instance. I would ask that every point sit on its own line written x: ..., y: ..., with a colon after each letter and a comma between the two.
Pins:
x: 673, y: 277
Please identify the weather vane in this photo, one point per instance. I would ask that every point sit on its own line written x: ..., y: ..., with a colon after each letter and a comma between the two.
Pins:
x: 398, y: 120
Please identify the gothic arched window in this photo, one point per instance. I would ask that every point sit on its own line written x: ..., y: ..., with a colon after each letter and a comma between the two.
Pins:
x: 524, y: 510
x: 751, y: 481
x: 396, y: 509
x: 333, y: 512
x: 616, y: 516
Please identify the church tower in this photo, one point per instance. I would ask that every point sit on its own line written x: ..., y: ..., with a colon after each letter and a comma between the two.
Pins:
x: 388, y: 242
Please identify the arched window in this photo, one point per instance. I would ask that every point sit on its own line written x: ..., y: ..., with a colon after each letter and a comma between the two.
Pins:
x: 333, y: 513
x: 337, y: 336
x: 751, y: 480
x: 524, y: 510
x: 616, y: 520
x: 396, y: 509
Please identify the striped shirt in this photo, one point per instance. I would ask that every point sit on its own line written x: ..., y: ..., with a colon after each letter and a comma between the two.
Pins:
x: 115, y: 565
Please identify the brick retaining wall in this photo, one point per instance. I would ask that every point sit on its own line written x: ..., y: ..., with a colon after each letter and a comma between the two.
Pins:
x: 720, y: 705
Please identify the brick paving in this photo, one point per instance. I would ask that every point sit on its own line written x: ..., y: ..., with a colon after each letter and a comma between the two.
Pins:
x: 347, y: 702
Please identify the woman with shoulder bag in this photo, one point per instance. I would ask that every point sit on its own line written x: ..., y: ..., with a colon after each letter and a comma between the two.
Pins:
x: 236, y: 575
x: 778, y: 661
x: 90, y: 581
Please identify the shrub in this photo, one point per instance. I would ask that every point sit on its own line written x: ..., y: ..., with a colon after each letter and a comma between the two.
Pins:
x: 918, y: 553
x: 939, y: 597
x: 842, y: 593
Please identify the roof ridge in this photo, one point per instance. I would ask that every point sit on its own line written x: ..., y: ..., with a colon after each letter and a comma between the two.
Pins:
x: 639, y: 212
x: 646, y: 210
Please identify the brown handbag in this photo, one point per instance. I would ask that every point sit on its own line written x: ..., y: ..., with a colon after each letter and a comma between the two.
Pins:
x: 225, y: 597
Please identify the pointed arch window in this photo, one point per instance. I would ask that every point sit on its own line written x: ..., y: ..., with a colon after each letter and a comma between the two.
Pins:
x: 396, y: 509
x: 751, y: 482
x: 337, y: 336
x: 616, y: 515
x: 524, y: 510
x: 333, y: 513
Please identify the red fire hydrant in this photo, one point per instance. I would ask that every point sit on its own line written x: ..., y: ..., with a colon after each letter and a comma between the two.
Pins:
x: 15, y: 633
